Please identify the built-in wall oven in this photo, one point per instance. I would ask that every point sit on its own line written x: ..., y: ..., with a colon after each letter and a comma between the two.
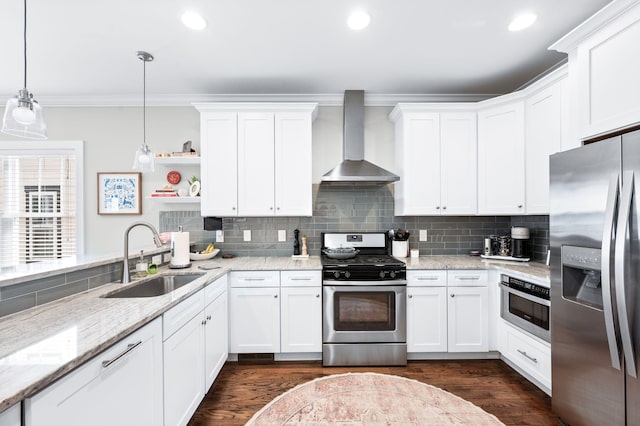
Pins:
x: 363, y: 304
x: 525, y: 305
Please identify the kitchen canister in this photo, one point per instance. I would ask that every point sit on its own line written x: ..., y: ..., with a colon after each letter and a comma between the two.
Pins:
x: 399, y: 248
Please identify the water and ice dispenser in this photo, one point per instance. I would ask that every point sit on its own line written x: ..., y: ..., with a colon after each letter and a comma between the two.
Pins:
x: 581, y: 278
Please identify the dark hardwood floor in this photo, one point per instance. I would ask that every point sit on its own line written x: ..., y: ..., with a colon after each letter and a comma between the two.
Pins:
x: 241, y: 390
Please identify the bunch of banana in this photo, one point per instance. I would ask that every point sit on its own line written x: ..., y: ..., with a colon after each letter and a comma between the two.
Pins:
x: 208, y: 250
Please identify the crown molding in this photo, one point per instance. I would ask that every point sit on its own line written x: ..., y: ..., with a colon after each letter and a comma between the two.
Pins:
x: 180, y: 100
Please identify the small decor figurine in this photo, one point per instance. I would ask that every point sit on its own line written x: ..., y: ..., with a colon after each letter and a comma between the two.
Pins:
x: 304, y: 246
x: 296, y: 242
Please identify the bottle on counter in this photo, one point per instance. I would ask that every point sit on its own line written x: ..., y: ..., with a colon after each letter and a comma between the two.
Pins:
x: 296, y: 242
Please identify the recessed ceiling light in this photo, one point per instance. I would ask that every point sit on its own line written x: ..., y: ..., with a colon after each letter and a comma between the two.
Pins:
x: 522, y: 21
x: 194, y: 21
x: 359, y: 20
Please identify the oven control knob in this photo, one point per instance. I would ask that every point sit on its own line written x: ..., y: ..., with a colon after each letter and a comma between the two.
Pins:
x: 347, y: 274
x: 381, y: 274
x: 336, y: 274
x: 392, y: 274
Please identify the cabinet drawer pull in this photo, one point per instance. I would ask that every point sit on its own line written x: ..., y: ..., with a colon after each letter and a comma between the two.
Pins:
x: 427, y: 278
x: 300, y: 278
x: 474, y: 278
x: 130, y: 347
x: 253, y: 279
x: 526, y: 355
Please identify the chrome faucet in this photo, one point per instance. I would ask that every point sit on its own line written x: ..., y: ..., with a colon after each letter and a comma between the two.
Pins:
x: 125, y: 264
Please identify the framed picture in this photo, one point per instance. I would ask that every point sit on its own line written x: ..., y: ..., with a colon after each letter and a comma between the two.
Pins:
x: 119, y: 193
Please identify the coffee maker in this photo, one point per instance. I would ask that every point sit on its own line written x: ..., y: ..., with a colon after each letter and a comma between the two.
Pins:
x: 519, y: 241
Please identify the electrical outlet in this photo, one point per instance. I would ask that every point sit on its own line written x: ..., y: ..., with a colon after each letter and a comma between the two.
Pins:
x: 220, y: 236
x: 282, y: 235
x: 166, y: 258
x: 423, y: 235
x: 247, y: 235
x: 157, y: 259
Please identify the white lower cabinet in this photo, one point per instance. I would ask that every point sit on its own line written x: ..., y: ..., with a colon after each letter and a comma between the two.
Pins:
x: 528, y: 354
x: 447, y: 311
x: 121, y: 386
x: 468, y: 310
x: 216, y: 337
x: 12, y: 416
x: 275, y: 311
x: 301, y: 311
x: 427, y: 319
x: 254, y: 312
x: 194, y: 350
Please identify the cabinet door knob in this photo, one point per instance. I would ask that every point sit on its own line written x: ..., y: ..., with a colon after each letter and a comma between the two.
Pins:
x: 204, y: 322
x: 444, y: 207
x: 317, y: 295
x: 271, y: 208
x: 208, y: 317
x: 453, y: 295
x: 411, y: 296
x: 519, y: 206
x: 437, y: 207
x: 233, y: 208
x: 275, y: 296
x: 277, y: 208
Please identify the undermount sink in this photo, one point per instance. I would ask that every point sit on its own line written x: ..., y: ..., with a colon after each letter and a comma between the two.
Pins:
x: 156, y: 286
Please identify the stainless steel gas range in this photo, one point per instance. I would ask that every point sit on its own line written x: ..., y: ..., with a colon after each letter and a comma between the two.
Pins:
x: 363, y: 301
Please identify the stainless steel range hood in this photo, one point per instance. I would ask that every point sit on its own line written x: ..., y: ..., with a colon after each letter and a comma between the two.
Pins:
x: 354, y: 168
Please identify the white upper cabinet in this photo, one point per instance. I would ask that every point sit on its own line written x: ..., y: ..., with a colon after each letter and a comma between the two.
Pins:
x: 501, y: 159
x: 219, y: 163
x: 436, y: 158
x: 544, y: 119
x: 604, y: 68
x: 293, y: 171
x: 256, y: 167
x: 256, y: 159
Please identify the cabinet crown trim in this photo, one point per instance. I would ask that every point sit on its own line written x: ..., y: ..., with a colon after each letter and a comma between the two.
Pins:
x: 601, y: 18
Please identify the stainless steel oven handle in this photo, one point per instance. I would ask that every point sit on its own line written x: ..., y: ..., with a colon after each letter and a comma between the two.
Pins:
x: 621, y: 250
x: 527, y: 296
x: 365, y: 283
x: 609, y: 220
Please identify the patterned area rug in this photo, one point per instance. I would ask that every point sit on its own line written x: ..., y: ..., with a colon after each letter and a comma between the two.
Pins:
x: 370, y: 399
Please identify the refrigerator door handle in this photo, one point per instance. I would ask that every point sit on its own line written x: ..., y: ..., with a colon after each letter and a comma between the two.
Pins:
x: 609, y: 221
x: 620, y: 261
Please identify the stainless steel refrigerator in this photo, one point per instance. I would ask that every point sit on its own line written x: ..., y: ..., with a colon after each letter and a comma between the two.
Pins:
x: 595, y: 282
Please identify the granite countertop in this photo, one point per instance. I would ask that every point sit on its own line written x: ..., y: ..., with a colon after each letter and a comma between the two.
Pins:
x: 531, y: 270
x: 87, y: 324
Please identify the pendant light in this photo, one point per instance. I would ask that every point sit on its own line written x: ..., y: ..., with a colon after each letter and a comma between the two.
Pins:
x: 143, y: 160
x: 23, y: 115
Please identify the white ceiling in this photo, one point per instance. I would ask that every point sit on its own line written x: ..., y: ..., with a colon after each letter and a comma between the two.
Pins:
x: 84, y: 51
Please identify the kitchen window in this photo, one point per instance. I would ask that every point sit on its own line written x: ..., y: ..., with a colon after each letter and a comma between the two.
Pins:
x: 41, y: 213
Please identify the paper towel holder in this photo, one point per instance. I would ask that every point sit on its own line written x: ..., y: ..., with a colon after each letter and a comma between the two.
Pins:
x: 183, y: 246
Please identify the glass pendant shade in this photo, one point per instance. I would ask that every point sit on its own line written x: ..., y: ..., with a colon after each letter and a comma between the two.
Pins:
x: 143, y: 160
x: 23, y: 115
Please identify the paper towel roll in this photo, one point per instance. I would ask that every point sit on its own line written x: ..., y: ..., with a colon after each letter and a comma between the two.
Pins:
x: 179, y: 249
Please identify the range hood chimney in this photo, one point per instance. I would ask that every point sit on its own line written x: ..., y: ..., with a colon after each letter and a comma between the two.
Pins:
x: 354, y: 168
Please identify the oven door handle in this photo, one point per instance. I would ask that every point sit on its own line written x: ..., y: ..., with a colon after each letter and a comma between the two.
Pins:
x: 527, y: 296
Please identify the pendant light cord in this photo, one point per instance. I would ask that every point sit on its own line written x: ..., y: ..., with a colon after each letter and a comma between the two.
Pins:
x: 144, y: 101
x: 24, y: 37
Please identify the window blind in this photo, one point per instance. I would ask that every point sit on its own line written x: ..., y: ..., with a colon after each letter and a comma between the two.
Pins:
x: 38, y: 207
